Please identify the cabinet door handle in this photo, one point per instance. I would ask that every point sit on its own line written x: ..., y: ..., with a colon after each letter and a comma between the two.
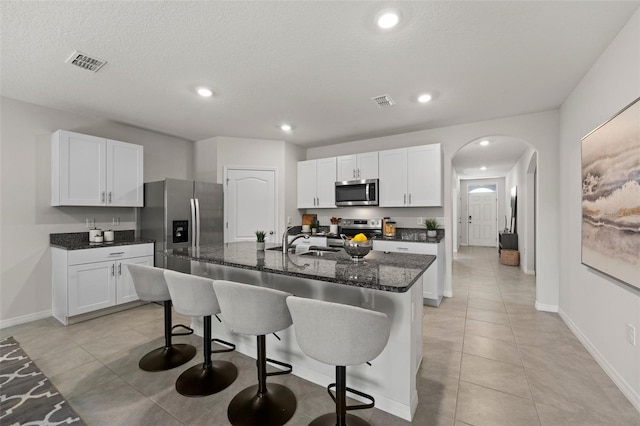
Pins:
x: 119, y: 269
x: 405, y: 199
x: 102, y: 197
x: 115, y: 253
x: 409, y: 198
x: 113, y: 270
x: 354, y: 172
x: 109, y: 197
x: 403, y: 248
x: 318, y: 201
x: 358, y: 173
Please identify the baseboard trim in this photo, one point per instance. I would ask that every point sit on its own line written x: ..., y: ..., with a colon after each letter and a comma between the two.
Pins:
x: 529, y: 271
x: 546, y: 308
x: 24, y: 319
x: 447, y: 293
x: 620, y: 382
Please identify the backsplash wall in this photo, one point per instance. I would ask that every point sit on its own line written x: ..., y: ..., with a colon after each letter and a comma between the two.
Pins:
x: 405, y: 217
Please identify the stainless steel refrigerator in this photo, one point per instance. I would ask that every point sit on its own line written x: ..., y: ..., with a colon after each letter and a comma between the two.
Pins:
x: 181, y: 213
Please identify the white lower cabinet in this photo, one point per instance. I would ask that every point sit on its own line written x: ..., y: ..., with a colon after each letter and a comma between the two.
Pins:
x: 89, y: 280
x: 433, y: 277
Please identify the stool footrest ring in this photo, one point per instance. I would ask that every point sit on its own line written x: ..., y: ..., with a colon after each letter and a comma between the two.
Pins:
x: 353, y: 407
x: 185, y: 333
x: 289, y: 367
x: 231, y: 346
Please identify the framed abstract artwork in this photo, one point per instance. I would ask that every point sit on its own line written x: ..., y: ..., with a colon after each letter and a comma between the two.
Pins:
x: 611, y: 197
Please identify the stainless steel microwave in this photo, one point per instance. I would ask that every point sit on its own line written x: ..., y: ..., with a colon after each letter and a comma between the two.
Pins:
x: 357, y: 192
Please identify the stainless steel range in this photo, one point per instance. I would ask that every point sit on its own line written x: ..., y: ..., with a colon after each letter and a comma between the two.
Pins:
x: 372, y: 228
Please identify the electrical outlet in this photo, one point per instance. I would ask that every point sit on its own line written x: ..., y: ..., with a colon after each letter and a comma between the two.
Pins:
x: 116, y: 221
x: 420, y: 221
x: 631, y: 334
x: 91, y: 223
x: 288, y: 220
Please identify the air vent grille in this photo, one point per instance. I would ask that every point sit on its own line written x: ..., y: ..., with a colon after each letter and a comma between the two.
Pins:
x: 383, y: 101
x: 85, y: 61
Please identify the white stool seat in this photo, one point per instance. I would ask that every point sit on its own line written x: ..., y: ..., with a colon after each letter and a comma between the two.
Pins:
x: 338, y: 334
x: 252, y: 310
x: 257, y: 311
x: 194, y: 296
x: 151, y: 286
x: 149, y: 283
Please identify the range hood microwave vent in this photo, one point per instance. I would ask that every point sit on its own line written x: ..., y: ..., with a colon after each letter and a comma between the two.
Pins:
x: 383, y: 101
x: 85, y: 61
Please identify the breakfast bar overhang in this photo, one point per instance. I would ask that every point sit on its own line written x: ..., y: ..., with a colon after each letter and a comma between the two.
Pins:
x: 385, y: 282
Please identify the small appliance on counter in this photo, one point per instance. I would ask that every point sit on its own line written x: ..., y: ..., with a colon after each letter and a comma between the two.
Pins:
x: 389, y: 229
x: 108, y: 236
x: 95, y: 235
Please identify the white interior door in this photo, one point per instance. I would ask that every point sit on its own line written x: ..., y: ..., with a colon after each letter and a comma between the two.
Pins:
x: 250, y: 204
x: 482, y: 219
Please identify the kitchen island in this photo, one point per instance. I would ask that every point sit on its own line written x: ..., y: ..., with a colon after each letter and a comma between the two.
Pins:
x: 386, y: 282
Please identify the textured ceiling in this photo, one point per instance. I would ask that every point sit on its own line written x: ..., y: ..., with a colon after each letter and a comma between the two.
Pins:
x: 313, y: 64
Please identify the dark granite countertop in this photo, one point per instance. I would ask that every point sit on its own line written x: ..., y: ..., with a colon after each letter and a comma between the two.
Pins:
x: 80, y: 240
x: 394, y: 272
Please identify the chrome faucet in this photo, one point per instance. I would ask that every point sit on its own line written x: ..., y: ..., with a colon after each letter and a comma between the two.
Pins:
x: 285, y: 241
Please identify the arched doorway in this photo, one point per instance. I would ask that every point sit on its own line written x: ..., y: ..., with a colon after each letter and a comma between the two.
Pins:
x: 510, y: 166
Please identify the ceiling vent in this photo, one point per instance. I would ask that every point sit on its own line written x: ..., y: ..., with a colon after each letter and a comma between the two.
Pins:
x: 383, y: 101
x: 86, y: 62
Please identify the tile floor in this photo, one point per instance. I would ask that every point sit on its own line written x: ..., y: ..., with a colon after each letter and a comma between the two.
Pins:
x: 489, y: 359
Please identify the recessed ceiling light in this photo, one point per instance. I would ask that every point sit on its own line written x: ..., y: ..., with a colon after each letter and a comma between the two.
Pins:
x: 388, y: 20
x: 484, y: 143
x: 204, y: 92
x: 424, y: 98
x: 286, y: 127
x: 483, y: 168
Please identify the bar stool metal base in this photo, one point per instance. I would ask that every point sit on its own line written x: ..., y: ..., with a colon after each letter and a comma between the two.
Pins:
x: 329, y: 419
x: 202, y: 380
x: 273, y: 408
x: 166, y: 358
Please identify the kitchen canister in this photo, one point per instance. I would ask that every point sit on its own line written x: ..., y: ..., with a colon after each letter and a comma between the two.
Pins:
x: 93, y: 233
x: 108, y: 236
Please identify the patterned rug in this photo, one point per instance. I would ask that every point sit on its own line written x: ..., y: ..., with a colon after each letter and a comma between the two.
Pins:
x: 27, y: 396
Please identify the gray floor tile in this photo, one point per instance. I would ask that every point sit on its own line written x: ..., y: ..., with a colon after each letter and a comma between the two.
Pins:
x: 497, y: 350
x: 496, y: 375
x: 490, y: 330
x: 82, y: 379
x: 478, y: 405
x: 117, y: 403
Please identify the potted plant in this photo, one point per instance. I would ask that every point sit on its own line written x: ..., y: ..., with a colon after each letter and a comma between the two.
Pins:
x: 260, y: 236
x: 333, y: 228
x: 314, y: 226
x: 432, y: 226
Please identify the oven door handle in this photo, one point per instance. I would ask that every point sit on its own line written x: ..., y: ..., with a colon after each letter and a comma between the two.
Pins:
x: 366, y: 190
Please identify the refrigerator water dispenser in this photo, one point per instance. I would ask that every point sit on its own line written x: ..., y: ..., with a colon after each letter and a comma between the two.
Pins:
x: 180, y: 231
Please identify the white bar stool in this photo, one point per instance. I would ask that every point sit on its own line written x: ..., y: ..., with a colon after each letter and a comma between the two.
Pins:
x: 151, y: 287
x: 194, y: 296
x: 339, y: 335
x: 257, y: 311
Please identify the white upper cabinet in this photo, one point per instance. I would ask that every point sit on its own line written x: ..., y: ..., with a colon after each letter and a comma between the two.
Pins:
x: 358, y: 166
x: 393, y: 178
x: 411, y: 177
x: 91, y: 171
x: 316, y: 183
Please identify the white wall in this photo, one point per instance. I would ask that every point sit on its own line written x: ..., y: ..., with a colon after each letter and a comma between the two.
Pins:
x: 518, y: 177
x: 595, y: 306
x: 27, y: 216
x: 539, y: 130
x: 217, y: 153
